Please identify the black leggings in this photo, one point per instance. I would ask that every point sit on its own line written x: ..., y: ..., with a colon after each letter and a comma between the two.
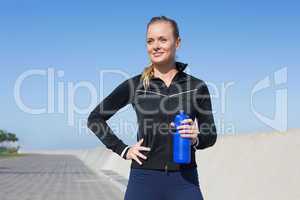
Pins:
x: 160, y: 185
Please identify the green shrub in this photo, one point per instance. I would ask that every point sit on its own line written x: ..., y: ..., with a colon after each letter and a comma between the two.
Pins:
x: 9, y: 150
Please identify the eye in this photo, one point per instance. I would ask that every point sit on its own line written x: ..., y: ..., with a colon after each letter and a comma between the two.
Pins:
x: 163, y: 39
x: 149, y: 41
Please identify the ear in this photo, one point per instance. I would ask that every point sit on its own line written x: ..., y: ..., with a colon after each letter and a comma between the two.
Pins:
x: 178, y: 42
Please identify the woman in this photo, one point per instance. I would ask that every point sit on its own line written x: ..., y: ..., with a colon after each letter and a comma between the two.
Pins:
x: 157, y: 95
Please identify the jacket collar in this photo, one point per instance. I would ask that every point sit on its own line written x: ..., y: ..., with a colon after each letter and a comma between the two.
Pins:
x: 181, y: 66
x: 180, y: 75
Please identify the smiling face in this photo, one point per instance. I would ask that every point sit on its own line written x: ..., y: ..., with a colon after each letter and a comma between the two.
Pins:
x: 161, y: 43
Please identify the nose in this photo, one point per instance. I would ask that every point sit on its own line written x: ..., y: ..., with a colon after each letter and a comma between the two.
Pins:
x: 156, y: 45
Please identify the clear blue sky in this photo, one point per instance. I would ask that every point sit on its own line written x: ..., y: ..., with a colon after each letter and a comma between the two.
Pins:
x: 222, y: 41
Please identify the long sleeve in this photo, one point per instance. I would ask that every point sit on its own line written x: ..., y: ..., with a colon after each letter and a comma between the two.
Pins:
x: 207, y: 130
x: 118, y: 98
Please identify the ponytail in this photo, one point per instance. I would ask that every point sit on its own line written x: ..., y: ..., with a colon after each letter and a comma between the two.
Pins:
x: 147, y: 74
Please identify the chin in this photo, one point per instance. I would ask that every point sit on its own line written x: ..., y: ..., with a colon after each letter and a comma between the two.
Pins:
x: 159, y: 61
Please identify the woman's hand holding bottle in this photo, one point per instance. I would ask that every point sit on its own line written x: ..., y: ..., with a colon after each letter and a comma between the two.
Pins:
x: 188, y: 129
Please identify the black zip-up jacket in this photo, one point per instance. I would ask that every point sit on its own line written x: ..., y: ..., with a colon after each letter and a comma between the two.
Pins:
x: 155, y: 108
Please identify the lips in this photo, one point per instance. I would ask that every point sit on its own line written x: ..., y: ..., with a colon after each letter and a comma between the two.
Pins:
x: 158, y: 54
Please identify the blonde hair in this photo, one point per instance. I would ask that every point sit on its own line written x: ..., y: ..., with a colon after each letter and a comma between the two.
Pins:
x: 148, y: 72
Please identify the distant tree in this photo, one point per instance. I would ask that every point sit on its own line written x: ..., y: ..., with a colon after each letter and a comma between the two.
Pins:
x: 11, y: 137
x: 3, y: 137
x: 7, y: 138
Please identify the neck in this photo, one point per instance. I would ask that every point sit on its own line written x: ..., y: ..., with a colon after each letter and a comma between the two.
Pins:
x: 166, y: 70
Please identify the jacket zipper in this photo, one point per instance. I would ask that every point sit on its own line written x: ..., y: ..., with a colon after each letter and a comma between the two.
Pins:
x: 166, y: 168
x: 168, y: 142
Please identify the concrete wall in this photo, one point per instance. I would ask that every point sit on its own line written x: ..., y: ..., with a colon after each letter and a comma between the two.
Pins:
x: 248, y: 167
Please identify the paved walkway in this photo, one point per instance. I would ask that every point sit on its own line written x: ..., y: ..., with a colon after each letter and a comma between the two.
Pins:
x: 52, y: 177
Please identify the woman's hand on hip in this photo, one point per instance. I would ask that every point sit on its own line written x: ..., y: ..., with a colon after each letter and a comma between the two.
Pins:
x: 134, y: 152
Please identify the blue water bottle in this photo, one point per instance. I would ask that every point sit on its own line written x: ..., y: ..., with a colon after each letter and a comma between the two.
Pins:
x: 181, y: 146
